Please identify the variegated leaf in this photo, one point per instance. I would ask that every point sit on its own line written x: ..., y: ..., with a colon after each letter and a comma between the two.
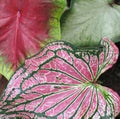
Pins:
x: 60, y: 83
x: 25, y: 26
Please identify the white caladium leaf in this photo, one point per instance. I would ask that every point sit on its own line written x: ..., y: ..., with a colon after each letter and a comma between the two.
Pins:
x: 60, y: 82
x: 87, y: 21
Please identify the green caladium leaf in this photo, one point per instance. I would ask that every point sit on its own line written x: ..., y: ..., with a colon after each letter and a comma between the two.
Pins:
x: 87, y: 21
x: 60, y: 82
x: 25, y: 26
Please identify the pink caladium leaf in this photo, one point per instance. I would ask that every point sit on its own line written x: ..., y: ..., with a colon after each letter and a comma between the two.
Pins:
x: 60, y: 82
x: 25, y: 26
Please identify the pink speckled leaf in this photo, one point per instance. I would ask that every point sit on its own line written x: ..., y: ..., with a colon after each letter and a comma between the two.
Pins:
x: 25, y: 26
x: 60, y: 83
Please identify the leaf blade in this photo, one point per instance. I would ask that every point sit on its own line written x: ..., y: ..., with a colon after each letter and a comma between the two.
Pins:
x: 49, y: 85
x: 27, y: 22
x: 86, y: 22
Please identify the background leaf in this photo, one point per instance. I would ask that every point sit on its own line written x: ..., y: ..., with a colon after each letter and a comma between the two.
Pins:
x: 87, y: 21
x: 25, y: 26
x: 60, y: 82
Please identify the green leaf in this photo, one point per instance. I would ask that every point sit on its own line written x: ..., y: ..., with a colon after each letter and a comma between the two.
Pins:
x: 87, y: 21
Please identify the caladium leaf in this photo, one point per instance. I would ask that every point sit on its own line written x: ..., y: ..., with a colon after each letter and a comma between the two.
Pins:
x: 25, y: 26
x: 60, y: 82
x: 87, y: 21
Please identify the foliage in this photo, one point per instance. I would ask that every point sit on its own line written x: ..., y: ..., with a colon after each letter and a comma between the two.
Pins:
x: 60, y: 81
x: 87, y: 21
x: 44, y: 88
x: 25, y: 26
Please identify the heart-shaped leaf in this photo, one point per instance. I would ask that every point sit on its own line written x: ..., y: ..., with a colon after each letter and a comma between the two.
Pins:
x: 87, y: 21
x: 60, y: 82
x: 25, y: 26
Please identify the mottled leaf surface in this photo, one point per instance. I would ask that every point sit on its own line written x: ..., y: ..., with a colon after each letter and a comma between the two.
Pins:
x: 60, y: 82
x: 25, y: 25
x: 87, y: 21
